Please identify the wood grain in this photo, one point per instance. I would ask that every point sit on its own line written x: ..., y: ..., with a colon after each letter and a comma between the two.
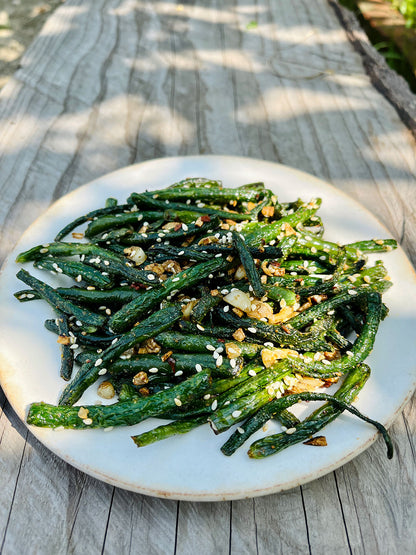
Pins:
x: 108, y: 83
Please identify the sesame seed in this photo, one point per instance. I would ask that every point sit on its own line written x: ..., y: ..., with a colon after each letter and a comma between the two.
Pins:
x: 108, y: 311
x: 210, y: 276
x: 98, y: 362
x: 284, y: 428
x: 240, y: 430
x: 236, y: 413
x: 325, y: 361
x: 233, y: 363
x: 252, y: 330
x: 198, y: 367
x: 215, y: 355
x: 269, y: 344
x: 153, y: 370
x: 214, y: 405
x: 218, y: 255
x: 150, y: 276
x: 349, y: 353
x: 180, y: 253
x: 43, y: 250
x: 210, y: 347
x: 74, y: 346
x: 87, y: 421
x: 178, y: 402
x: 178, y: 373
x: 352, y: 292
x: 78, y: 323
x: 226, y: 308
x: 200, y: 327
x: 184, y: 227
x: 102, y: 371
x: 219, y: 360
x: 252, y: 373
x: 175, y: 279
x: 30, y: 296
x: 291, y: 431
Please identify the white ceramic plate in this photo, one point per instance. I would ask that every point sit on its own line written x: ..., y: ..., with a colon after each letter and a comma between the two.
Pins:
x: 192, y: 467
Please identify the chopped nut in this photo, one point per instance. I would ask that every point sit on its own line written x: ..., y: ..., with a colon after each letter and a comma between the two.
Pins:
x: 64, y: 340
x: 106, y: 390
x: 215, y: 292
x: 83, y: 412
x: 267, y: 211
x: 260, y: 310
x: 306, y: 384
x: 272, y: 269
x: 166, y: 356
x: 238, y: 312
x: 140, y: 378
x: 239, y: 335
x: 199, y: 222
x: 318, y: 441
x: 285, y: 314
x: 232, y: 350
x: 149, y: 346
x: 270, y: 356
x: 144, y: 391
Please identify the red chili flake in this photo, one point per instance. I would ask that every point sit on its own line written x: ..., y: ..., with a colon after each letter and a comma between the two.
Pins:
x: 285, y: 329
x: 172, y: 362
x: 178, y: 226
x: 206, y: 218
x: 137, y: 286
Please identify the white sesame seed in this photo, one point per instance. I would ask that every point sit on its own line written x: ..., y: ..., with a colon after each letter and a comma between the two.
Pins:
x: 98, y: 362
x: 233, y: 363
x: 198, y: 367
x: 184, y: 227
x: 178, y: 373
x: 74, y: 346
x: 78, y: 323
x: 210, y: 347
x: 240, y: 430
x: 108, y: 311
x: 325, y: 361
x: 215, y: 355
x: 291, y: 431
x: 87, y: 421
x: 153, y: 370
x: 180, y: 253
x: 349, y: 353
x: 43, y: 250
x: 252, y: 330
x: 150, y: 276
x: 102, y: 371
x: 211, y: 276
x: 252, y: 373
x: 218, y: 255
x: 178, y: 402
x: 352, y: 292
x: 236, y: 413
x: 201, y: 328
x: 219, y: 360
x: 226, y: 308
x: 175, y: 279
x: 214, y: 405
x: 284, y: 428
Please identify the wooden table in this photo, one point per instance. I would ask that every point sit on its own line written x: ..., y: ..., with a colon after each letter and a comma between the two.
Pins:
x: 111, y: 82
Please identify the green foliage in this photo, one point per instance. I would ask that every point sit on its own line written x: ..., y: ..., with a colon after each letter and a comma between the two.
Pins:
x: 408, y: 9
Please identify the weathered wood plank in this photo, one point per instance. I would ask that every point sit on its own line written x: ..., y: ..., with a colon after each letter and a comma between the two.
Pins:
x: 141, y: 524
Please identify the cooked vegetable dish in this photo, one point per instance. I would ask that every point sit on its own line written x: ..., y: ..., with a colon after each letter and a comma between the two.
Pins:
x: 199, y: 304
